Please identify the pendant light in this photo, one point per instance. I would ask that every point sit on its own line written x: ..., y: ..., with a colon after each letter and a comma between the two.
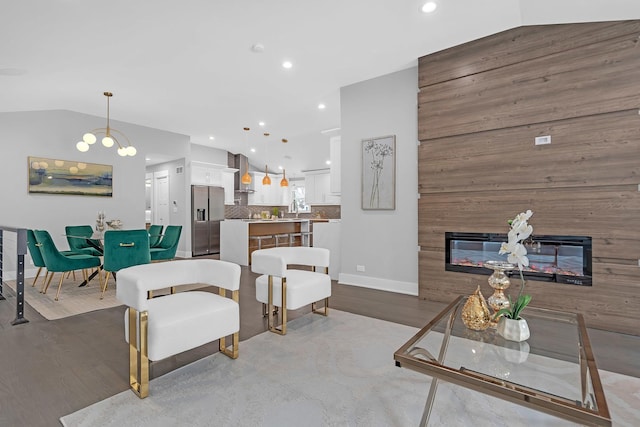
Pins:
x: 246, y: 178
x: 284, y: 182
x: 266, y: 180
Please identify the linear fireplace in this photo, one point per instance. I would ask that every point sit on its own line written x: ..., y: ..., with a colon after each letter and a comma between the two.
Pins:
x: 561, y: 259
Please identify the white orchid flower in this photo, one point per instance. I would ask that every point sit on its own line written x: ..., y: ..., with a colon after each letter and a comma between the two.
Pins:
x: 519, y: 232
x: 519, y: 256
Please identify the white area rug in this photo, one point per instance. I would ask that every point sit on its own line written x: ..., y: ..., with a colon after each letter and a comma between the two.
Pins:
x: 333, y: 371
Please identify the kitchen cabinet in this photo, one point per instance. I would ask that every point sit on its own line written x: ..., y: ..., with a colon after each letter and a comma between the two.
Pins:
x: 229, y: 193
x: 203, y: 173
x: 268, y: 195
x: 317, y: 187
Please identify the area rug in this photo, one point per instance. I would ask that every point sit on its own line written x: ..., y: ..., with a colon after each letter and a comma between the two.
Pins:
x: 73, y: 299
x: 327, y: 371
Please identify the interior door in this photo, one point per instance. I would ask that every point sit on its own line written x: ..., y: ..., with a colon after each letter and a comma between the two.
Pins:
x: 161, y: 198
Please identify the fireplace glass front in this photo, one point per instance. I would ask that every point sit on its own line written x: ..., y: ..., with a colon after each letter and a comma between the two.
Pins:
x: 561, y: 259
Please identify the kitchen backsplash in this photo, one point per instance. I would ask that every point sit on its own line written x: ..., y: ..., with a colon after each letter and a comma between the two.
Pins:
x: 324, y: 211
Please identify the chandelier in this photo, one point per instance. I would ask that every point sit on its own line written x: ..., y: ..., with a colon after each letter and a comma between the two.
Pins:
x: 109, y: 138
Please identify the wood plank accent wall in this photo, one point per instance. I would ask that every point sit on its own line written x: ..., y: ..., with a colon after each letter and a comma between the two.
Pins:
x: 482, y: 104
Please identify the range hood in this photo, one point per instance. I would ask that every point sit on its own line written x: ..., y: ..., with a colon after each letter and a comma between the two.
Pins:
x: 241, y: 162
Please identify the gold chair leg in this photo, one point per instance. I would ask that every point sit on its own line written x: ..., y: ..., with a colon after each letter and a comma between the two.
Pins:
x: 283, y: 328
x: 232, y: 351
x: 59, y: 286
x: 36, y: 278
x: 106, y: 280
x: 324, y: 312
x: 138, y: 357
x: 46, y: 283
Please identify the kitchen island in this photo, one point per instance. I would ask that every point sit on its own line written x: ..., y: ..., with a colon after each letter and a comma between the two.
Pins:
x: 236, y: 243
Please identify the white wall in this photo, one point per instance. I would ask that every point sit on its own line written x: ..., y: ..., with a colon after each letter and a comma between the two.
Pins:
x: 384, y: 242
x: 54, y: 134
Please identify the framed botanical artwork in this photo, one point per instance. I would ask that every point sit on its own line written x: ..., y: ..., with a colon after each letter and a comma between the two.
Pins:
x: 379, y: 173
x: 54, y: 176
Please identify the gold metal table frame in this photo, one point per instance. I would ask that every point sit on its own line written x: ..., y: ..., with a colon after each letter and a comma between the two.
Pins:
x: 556, y: 336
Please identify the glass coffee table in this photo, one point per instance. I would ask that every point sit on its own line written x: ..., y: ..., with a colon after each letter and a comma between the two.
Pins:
x: 553, y: 371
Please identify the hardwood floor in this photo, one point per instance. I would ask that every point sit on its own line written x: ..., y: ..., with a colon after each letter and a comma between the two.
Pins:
x: 52, y: 368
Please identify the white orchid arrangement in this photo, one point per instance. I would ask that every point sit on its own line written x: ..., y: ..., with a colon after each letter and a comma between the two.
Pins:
x: 520, y: 231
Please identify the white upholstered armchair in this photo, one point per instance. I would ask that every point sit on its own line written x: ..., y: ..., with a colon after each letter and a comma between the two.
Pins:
x: 288, y: 288
x: 167, y: 325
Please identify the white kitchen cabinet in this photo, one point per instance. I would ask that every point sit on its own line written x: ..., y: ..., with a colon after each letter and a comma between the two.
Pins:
x: 317, y: 187
x: 268, y: 195
x: 229, y: 191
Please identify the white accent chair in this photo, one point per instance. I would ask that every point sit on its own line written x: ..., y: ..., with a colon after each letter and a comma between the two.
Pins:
x: 288, y: 288
x: 170, y: 324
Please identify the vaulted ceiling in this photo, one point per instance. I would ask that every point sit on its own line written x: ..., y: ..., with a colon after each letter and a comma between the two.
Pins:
x: 192, y: 66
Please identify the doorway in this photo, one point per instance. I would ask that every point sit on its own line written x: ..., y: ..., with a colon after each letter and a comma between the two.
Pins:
x: 160, y: 210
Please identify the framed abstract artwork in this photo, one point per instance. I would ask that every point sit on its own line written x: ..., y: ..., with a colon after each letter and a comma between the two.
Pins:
x: 379, y: 173
x: 53, y: 176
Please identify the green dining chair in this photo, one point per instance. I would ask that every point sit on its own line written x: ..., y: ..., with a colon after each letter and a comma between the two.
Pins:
x: 56, y: 262
x: 82, y: 245
x: 36, y: 256
x: 166, y: 249
x: 122, y: 249
x: 155, y: 235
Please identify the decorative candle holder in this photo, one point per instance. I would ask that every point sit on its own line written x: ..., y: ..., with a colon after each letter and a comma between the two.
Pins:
x: 499, y: 281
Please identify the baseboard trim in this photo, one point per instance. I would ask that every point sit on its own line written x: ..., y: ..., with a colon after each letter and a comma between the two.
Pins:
x: 408, y: 288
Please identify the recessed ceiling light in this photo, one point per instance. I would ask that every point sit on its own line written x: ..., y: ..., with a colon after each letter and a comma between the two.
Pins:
x: 280, y: 167
x: 258, y: 48
x: 211, y: 138
x: 261, y: 123
x: 429, y: 7
x: 287, y: 64
x: 328, y: 162
x: 253, y: 150
x: 321, y: 106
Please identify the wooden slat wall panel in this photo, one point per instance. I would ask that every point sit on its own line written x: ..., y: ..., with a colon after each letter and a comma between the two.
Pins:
x: 579, y: 149
x: 596, y: 79
x: 478, y: 165
x: 513, y: 46
x: 600, y: 212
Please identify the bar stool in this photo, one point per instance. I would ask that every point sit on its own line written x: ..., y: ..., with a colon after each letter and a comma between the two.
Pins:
x: 306, y: 238
x: 260, y: 239
x: 292, y: 238
x: 287, y: 241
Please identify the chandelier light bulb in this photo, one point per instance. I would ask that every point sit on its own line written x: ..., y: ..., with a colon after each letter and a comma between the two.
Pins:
x: 131, y: 151
x: 82, y: 146
x: 89, y: 138
x: 122, y: 151
x: 107, y: 141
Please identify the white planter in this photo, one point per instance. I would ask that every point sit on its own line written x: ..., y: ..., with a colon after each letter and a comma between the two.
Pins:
x: 513, y: 330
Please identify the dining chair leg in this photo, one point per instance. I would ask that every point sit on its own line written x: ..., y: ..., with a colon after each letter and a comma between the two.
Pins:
x: 36, y: 278
x: 47, y: 282
x: 59, y: 286
x: 104, y: 286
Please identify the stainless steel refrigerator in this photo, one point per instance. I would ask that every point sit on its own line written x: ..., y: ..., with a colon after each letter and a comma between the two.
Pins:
x: 207, y: 210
